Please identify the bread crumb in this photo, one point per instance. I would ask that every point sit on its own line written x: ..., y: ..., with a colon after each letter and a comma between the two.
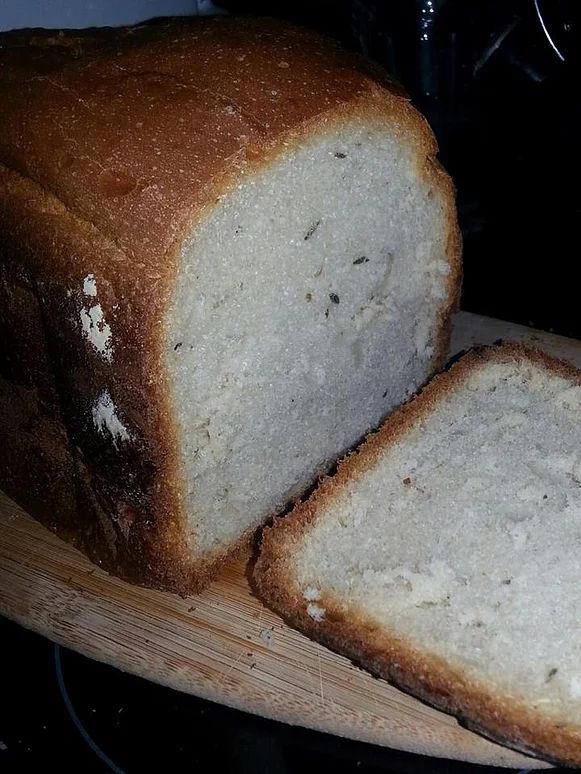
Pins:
x: 311, y: 594
x: 316, y: 612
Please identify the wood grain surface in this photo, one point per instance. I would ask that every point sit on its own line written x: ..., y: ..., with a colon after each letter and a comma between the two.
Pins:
x: 224, y: 645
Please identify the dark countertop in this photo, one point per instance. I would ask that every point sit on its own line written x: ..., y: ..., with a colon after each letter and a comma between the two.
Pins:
x: 61, y: 711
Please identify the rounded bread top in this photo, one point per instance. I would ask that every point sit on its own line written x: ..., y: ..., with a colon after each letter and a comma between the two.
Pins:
x: 135, y: 129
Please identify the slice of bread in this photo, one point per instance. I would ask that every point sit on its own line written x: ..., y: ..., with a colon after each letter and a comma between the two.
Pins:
x: 445, y: 554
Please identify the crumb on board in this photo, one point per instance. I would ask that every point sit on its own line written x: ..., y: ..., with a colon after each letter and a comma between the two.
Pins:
x: 266, y: 635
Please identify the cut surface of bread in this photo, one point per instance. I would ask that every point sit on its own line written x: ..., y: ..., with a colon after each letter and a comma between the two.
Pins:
x: 228, y: 251
x: 306, y: 309
x: 444, y: 555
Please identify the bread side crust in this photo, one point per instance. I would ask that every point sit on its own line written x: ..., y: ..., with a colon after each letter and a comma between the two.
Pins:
x: 351, y: 632
x: 80, y: 210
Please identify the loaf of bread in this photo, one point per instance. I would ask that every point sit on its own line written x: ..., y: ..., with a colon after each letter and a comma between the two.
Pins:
x: 227, y: 251
x: 444, y: 555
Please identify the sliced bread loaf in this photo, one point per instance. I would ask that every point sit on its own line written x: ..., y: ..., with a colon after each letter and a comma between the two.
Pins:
x: 445, y: 554
x: 227, y: 252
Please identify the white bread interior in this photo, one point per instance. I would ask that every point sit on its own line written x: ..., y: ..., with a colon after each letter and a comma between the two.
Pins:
x: 308, y: 304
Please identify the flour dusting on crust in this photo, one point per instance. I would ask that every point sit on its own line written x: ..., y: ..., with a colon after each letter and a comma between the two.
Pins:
x: 94, y: 325
x: 106, y: 420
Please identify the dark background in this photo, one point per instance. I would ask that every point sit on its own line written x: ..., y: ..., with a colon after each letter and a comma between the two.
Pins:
x: 505, y: 108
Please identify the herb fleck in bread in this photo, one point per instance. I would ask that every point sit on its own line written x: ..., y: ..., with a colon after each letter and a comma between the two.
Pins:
x: 444, y: 554
x: 227, y: 252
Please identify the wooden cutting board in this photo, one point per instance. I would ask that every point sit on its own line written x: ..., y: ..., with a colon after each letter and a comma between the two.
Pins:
x: 224, y: 645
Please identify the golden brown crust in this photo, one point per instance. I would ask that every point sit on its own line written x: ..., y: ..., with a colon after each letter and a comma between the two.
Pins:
x: 352, y: 633
x: 112, y: 145
x: 439, y: 178
x: 125, y: 111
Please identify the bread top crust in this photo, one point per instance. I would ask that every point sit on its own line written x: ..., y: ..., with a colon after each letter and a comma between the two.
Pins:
x: 129, y: 128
